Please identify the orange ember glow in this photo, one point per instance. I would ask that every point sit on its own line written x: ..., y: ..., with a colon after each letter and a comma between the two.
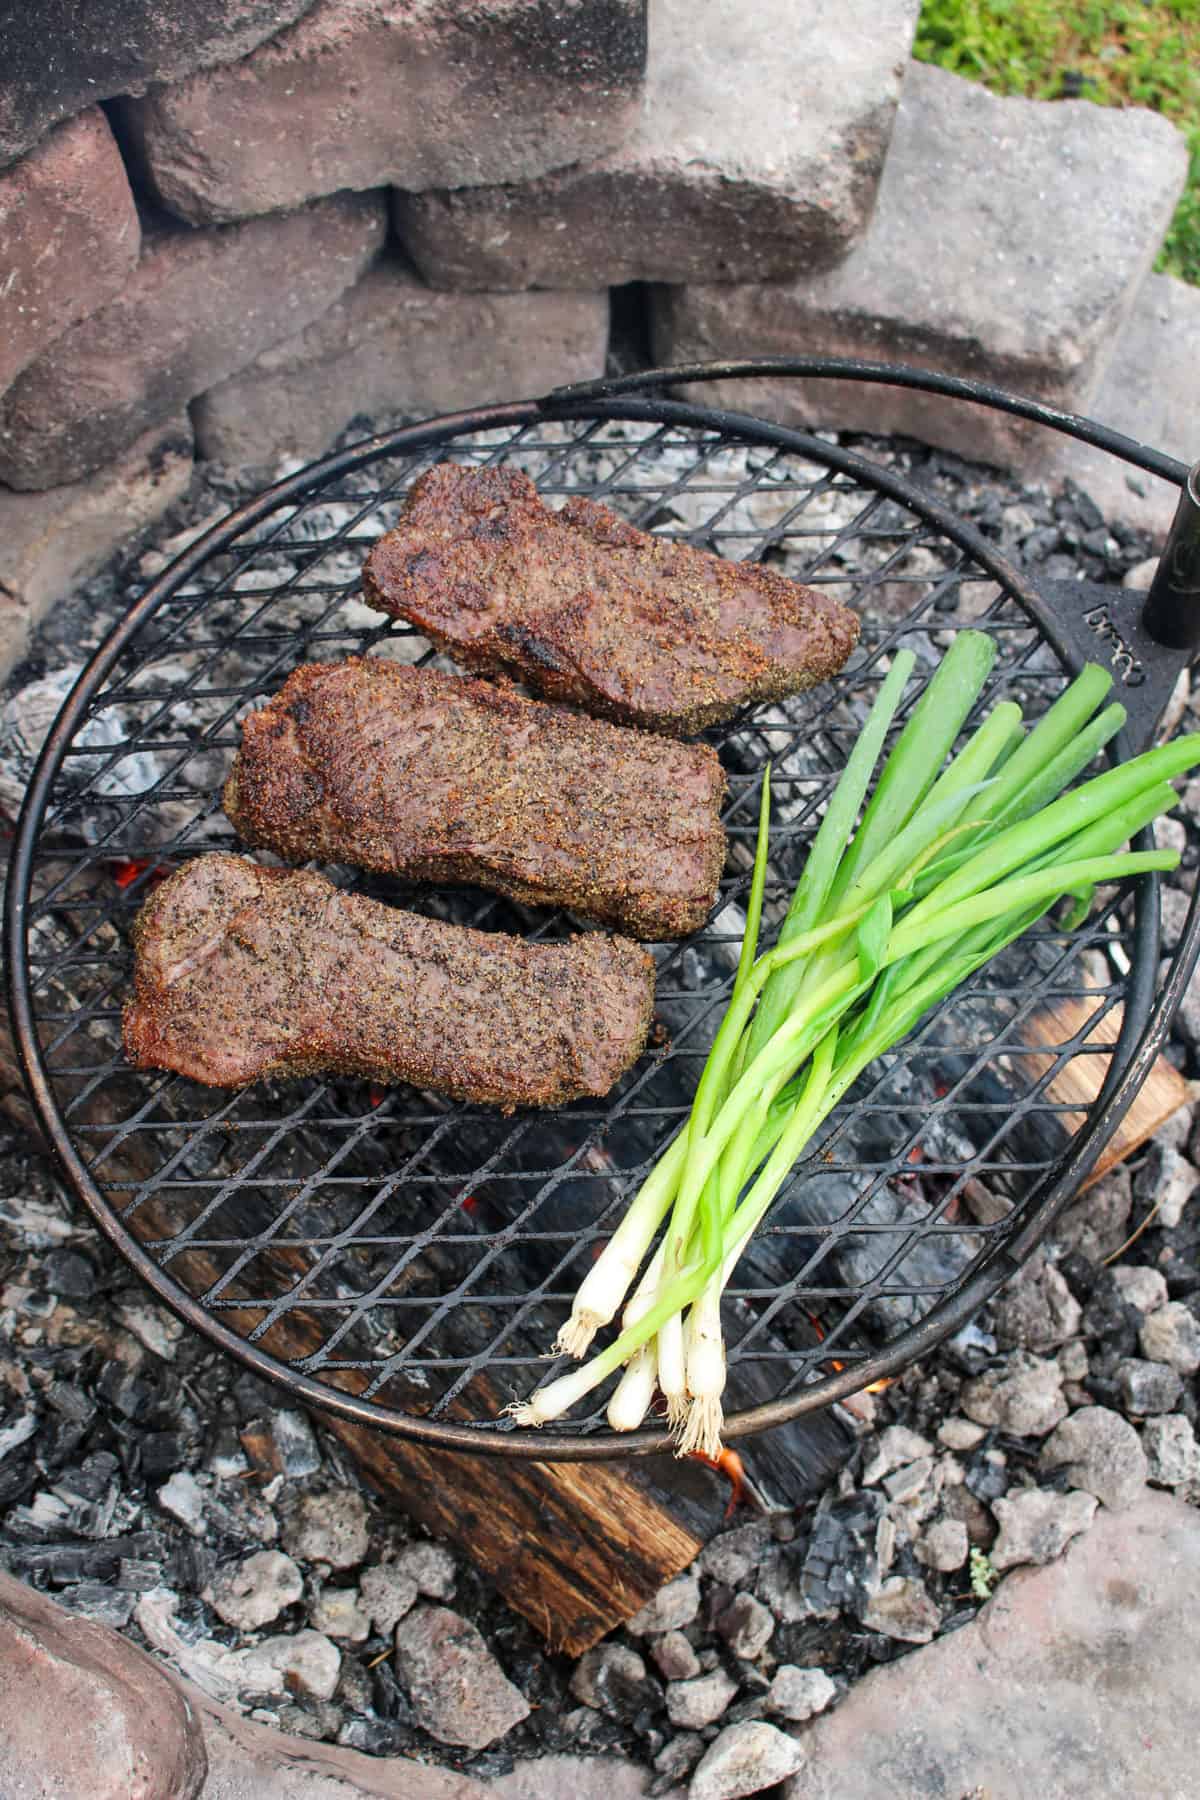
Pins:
x: 126, y: 873
x: 729, y: 1464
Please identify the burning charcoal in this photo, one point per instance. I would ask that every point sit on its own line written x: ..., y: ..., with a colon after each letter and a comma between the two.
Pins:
x: 378, y: 1737
x: 745, y: 1759
x: 674, y: 1657
x: 693, y: 1704
x: 1036, y: 1525
x: 225, y: 1459
x: 154, y: 1328
x: 17, y: 1432
x: 105, y: 1605
x: 901, y: 1608
x: 1100, y: 1453
x: 255, y: 1591
x: 70, y: 1403
x: 971, y: 1349
x: 121, y: 1389
x: 1148, y: 1387
x: 387, y: 1696
x: 296, y: 1446
x: 840, y: 1564
x: 388, y: 1593
x: 355, y: 1688
x: 1174, y: 1455
x: 431, y: 1566
x: 1171, y: 1335
x: 69, y: 1275
x: 1023, y: 1396
x: 673, y: 1607
x: 162, y: 1453
x: 1098, y: 1222
x: 614, y: 1680
x: 987, y: 1476
x: 458, y: 1690
x: 746, y: 1625
x: 184, y: 1498
x: 799, y: 1694
x: 1166, y: 1180
x: 1142, y: 1288
x: 329, y: 1527
x: 677, y: 1758
x: 137, y: 1576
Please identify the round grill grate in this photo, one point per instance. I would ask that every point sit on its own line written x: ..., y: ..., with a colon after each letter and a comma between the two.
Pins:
x: 408, y: 1259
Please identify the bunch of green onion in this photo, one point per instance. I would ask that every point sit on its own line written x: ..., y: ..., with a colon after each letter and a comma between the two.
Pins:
x: 944, y: 870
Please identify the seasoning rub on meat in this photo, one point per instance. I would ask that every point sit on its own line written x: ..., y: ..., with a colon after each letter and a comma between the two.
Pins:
x: 243, y: 973
x: 445, y: 778
x: 586, y: 608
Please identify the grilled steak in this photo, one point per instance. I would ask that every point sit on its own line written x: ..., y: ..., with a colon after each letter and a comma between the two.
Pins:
x: 243, y: 973
x: 586, y: 608
x: 445, y: 778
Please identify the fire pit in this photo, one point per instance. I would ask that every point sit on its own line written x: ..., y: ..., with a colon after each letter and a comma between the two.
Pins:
x: 403, y: 1261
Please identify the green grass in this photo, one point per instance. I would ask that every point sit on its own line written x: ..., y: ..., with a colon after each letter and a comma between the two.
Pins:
x: 1127, y: 53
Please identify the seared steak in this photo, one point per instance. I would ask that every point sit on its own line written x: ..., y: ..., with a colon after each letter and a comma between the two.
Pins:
x: 445, y: 778
x: 243, y: 973
x: 586, y: 608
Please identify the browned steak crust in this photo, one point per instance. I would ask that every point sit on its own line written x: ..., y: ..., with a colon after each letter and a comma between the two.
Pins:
x: 586, y: 608
x: 242, y: 973
x: 445, y: 778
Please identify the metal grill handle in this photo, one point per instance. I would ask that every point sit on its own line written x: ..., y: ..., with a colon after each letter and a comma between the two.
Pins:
x: 1172, y: 614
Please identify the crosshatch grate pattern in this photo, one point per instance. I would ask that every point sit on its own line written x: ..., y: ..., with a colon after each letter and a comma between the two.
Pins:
x: 419, y: 1253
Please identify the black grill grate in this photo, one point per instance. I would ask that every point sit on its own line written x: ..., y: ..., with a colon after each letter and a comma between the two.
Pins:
x: 418, y: 1254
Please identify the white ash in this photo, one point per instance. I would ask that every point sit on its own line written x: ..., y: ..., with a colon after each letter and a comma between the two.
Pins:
x: 253, y: 1592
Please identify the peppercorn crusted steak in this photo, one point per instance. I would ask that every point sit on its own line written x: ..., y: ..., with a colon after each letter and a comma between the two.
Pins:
x: 585, y: 607
x: 445, y: 778
x: 243, y: 973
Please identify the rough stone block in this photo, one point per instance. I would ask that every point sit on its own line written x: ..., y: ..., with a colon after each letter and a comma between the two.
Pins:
x: 392, y: 345
x: 199, y: 305
x: 1008, y: 244
x: 69, y: 236
x: 60, y: 56
x: 83, y: 1712
x: 757, y: 154
x: 1075, y: 1679
x: 50, y: 542
x: 417, y: 93
x: 1151, y: 392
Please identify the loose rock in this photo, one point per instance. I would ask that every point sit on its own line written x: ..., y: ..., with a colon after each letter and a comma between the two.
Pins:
x: 671, y: 1608
x: 86, y: 1713
x: 893, y: 1449
x: 694, y: 1704
x: 329, y: 1527
x: 431, y: 1566
x: 730, y: 1557
x: 1141, y: 1287
x: 746, y: 1625
x: 1148, y: 1387
x: 745, y: 1759
x: 1101, y: 1454
x: 458, y: 1690
x: 337, y: 1612
x: 901, y: 1607
x: 1023, y: 1396
x: 303, y: 1661
x: 674, y: 1657
x: 613, y: 1679
x: 944, y: 1546
x: 961, y: 1434
x: 1037, y: 1310
x: 251, y: 1593
x: 1173, y: 1454
x: 388, y: 1592
x: 1171, y: 1335
x: 1036, y: 1525
x: 799, y: 1694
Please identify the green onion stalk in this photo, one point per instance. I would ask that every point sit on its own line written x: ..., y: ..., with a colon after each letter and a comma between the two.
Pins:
x: 903, y: 896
